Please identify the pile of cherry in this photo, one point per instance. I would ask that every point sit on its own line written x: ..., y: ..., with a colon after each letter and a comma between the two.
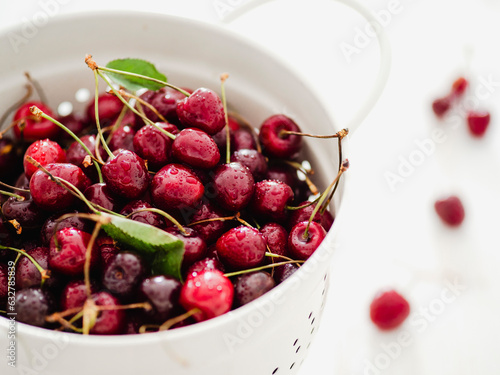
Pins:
x: 246, y: 218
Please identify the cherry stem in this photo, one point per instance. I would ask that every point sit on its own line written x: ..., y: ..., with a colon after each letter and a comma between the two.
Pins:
x: 45, y: 274
x: 291, y: 208
x: 242, y: 272
x: 299, y: 167
x: 164, y: 214
x: 37, y: 112
x: 116, y: 125
x: 14, y: 188
x: 144, y: 103
x: 322, y: 199
x: 226, y: 218
x: 340, y: 134
x: 171, y: 322
x: 122, y: 99
x: 223, y: 79
x: 88, y: 254
x: 272, y: 255
x: 15, y: 106
x: 37, y: 87
x: 139, y: 305
x: 97, y: 121
x: 9, y: 194
x: 105, y: 69
x: 327, y: 202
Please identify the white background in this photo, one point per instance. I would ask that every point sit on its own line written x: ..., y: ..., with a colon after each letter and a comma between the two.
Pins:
x: 391, y: 237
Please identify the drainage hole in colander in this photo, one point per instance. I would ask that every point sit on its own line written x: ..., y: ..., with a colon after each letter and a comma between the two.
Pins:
x: 324, y: 278
x: 308, y: 345
x: 312, y: 321
x: 297, y: 349
x: 275, y: 371
x: 293, y: 364
x: 312, y: 330
x: 310, y: 314
x: 295, y: 342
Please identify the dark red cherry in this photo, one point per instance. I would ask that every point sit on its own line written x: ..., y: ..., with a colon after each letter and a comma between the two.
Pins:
x: 175, y: 187
x: 195, y: 247
x: 301, y: 247
x: 164, y: 101
x: 209, y: 230
x: 450, y: 210
x: 75, y: 154
x: 195, y: 148
x: 74, y: 294
x: 251, y: 286
x: 48, y: 195
x: 234, y: 186
x: 241, y: 248
x: 163, y: 293
x: 107, y: 248
x: 277, y: 144
x: 32, y: 306
x: 154, y: 146
x: 441, y: 106
x: 146, y: 217
x: 389, y: 310
x: 209, y: 291
x: 271, y: 198
x: 26, y: 212
x: 122, y: 138
x: 126, y: 175
x: 124, y: 273
x: 74, y: 123
x: 53, y: 224
x: 110, y: 321
x: 100, y: 194
x: 304, y: 214
x: 203, y: 265
x: 253, y: 160
x: 34, y: 128
x: 10, y: 159
x: 243, y: 139
x: 109, y: 109
x: 276, y: 238
x: 283, y: 272
x: 203, y: 109
x: 27, y: 275
x: 45, y: 152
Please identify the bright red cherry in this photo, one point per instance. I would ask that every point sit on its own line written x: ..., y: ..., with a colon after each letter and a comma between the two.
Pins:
x: 195, y: 148
x: 389, y: 309
x: 209, y: 291
x: 301, y: 247
x: 275, y: 142
x: 478, y: 122
x: 45, y: 152
x: 241, y: 247
x: 34, y: 128
x: 203, y: 109
x: 459, y: 86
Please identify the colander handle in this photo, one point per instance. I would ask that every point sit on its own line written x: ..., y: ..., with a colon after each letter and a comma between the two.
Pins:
x: 384, y: 46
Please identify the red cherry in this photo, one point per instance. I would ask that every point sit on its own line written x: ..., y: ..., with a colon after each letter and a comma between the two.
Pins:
x: 275, y: 143
x: 203, y: 109
x: 388, y: 310
x: 478, y: 122
x: 196, y: 149
x: 271, y: 198
x: 45, y: 152
x: 241, y: 247
x: 459, y: 86
x: 441, y: 106
x: 35, y: 128
x: 300, y: 247
x: 450, y: 210
x: 209, y: 291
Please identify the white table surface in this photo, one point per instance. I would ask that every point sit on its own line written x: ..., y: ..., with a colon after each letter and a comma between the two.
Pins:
x: 390, y: 237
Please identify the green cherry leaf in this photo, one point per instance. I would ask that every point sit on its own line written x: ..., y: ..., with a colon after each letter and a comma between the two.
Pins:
x: 136, y: 67
x: 165, y: 250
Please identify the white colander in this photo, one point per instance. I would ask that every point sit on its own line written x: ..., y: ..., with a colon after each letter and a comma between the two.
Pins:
x: 268, y: 336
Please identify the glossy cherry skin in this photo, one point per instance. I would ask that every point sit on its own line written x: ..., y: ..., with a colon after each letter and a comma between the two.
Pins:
x: 126, y: 175
x: 304, y: 214
x: 27, y: 275
x: 122, y: 138
x: 110, y: 321
x: 32, y: 306
x: 203, y: 265
x: 109, y: 109
x: 253, y: 160
x: 271, y: 198
x: 102, y: 196
x: 195, y: 247
x: 154, y: 146
x: 210, y: 231
x: 241, y: 248
x: 26, y: 212
x: 251, y: 286
x: 163, y: 293
x: 74, y: 294
x: 45, y: 152
x: 283, y: 272
x: 276, y: 238
x: 389, y: 309
x: 203, y: 110
x: 209, y: 291
x: 48, y: 195
x: 67, y: 256
x: 275, y: 143
x: 75, y: 154
x: 164, y: 101
x: 175, y: 187
x: 450, y: 210
x: 195, y: 148
x: 53, y: 224
x: 123, y: 274
x: 146, y: 217
x: 302, y: 248
x: 234, y: 186
x: 35, y: 128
